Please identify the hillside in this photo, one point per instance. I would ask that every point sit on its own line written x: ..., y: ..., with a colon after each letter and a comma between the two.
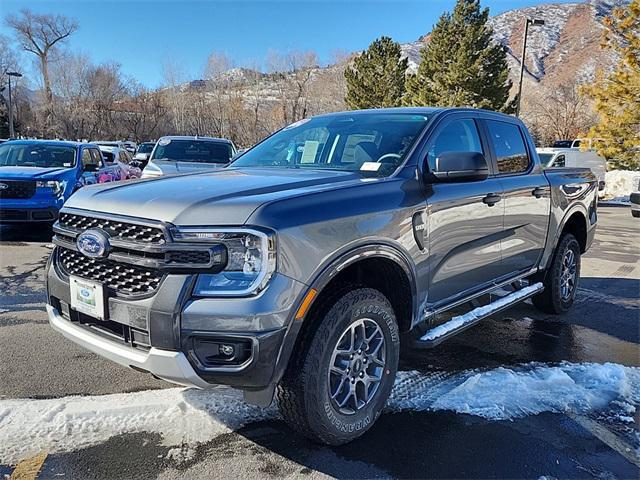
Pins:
x: 565, y: 48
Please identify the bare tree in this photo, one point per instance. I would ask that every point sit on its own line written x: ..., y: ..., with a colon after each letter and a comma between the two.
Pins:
x: 174, y: 79
x: 39, y: 34
x: 292, y: 72
x: 558, y: 113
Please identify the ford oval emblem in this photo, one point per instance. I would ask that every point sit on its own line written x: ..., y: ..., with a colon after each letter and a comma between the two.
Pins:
x: 93, y: 243
x: 3, y: 186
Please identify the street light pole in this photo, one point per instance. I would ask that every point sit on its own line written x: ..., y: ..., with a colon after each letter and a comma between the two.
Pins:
x: 527, y: 22
x: 12, y: 133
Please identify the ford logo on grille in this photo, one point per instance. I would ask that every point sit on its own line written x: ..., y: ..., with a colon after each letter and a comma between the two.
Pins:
x: 3, y: 186
x: 93, y: 243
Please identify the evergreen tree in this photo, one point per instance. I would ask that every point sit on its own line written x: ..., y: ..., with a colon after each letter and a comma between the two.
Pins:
x: 617, y: 95
x: 377, y: 77
x: 460, y: 64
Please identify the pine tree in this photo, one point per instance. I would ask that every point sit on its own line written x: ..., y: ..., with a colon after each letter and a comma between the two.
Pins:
x: 460, y: 64
x: 617, y: 94
x: 377, y: 77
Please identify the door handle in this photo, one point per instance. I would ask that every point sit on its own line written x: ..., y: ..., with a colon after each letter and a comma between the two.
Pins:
x: 538, y: 192
x: 491, y: 199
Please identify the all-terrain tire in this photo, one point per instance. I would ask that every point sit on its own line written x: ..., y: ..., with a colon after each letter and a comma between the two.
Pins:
x: 552, y: 300
x: 304, y: 394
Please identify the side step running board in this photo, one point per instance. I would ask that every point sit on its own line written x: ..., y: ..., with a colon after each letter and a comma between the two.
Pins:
x: 460, y: 323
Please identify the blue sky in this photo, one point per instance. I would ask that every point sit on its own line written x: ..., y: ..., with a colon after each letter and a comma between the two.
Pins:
x: 142, y: 35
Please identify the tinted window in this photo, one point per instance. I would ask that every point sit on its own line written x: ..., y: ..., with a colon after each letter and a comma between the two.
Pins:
x: 457, y: 136
x: 108, y: 156
x: 559, y: 162
x: 201, y: 151
x: 145, y: 148
x: 509, y: 146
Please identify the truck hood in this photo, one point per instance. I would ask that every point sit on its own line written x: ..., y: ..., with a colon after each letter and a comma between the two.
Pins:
x: 172, y: 168
x: 30, y: 173
x: 224, y: 197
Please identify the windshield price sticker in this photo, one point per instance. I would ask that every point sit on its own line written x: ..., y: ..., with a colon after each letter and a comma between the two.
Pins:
x: 370, y: 166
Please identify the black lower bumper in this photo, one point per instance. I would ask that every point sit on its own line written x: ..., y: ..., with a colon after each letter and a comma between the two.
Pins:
x: 28, y: 215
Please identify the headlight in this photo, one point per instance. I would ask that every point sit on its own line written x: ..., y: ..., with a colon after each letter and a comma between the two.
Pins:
x: 251, y: 260
x: 56, y: 186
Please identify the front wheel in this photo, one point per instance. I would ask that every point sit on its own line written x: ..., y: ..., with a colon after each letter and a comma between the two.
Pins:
x: 340, y: 377
x: 561, y: 280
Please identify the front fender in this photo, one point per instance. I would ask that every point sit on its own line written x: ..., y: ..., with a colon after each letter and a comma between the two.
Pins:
x: 329, y: 271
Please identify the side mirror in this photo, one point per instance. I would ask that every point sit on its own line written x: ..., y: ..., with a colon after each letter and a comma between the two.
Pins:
x: 141, y: 156
x: 91, y: 167
x: 460, y: 167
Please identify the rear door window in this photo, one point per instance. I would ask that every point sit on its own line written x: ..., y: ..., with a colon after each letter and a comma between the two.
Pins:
x: 508, y: 143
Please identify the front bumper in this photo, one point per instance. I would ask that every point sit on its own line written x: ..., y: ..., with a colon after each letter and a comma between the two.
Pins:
x: 171, y: 366
x: 170, y: 333
x: 28, y: 215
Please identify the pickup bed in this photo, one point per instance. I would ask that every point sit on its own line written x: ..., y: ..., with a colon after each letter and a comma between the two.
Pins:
x: 298, y: 270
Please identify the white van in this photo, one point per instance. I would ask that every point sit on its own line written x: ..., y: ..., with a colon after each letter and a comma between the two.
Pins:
x: 574, y: 157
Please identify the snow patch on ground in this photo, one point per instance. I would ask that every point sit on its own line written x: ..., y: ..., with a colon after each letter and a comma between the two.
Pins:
x: 619, y: 184
x: 187, y: 417
x: 181, y: 416
x: 508, y: 393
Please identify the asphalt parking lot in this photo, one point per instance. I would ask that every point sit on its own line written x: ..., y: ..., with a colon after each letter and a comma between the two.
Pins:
x: 83, y: 417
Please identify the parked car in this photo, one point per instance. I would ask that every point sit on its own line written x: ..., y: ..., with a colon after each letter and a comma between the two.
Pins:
x: 562, y: 144
x: 296, y: 270
x: 574, y: 157
x: 121, y: 158
x: 130, y: 146
x: 179, y: 154
x: 38, y: 176
x: 634, y: 199
x: 143, y: 152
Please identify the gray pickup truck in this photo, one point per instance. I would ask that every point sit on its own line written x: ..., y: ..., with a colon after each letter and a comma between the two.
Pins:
x: 297, y: 271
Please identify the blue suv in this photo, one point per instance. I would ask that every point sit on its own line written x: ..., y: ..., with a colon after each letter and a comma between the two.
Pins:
x: 38, y: 176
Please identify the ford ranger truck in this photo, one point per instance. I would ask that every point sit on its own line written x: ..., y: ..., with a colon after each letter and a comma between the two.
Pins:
x: 38, y: 176
x: 297, y: 271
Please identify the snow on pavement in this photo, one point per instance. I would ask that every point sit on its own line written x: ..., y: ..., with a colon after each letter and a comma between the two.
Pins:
x: 620, y: 183
x: 189, y: 416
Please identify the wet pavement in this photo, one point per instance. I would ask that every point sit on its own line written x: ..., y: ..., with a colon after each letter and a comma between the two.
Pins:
x: 603, y: 326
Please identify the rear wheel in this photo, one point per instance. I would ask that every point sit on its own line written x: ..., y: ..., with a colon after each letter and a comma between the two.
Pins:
x: 635, y: 213
x: 342, y: 374
x: 561, y: 280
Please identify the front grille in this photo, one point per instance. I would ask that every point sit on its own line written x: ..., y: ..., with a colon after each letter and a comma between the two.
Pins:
x: 17, y: 189
x: 124, y: 279
x: 115, y: 228
x: 188, y: 257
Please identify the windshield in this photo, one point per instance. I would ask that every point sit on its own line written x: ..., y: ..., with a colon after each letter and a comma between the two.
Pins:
x: 545, y: 158
x: 375, y: 144
x: 199, y: 151
x: 37, y: 155
x: 145, y: 148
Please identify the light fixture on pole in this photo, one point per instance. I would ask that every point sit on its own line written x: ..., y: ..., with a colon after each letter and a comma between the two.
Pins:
x: 17, y: 75
x: 532, y: 22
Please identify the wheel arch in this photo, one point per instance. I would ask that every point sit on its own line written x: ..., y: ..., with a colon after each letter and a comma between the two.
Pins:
x: 398, y: 281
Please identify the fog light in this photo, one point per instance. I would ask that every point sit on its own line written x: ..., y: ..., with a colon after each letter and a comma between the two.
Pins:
x: 227, y: 350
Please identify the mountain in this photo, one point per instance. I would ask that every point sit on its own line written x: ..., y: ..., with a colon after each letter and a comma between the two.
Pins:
x: 567, y: 47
